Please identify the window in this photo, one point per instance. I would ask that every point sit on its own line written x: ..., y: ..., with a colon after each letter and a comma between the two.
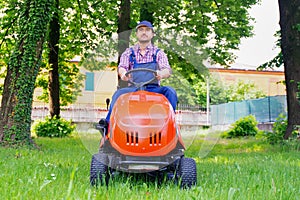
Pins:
x: 89, y: 81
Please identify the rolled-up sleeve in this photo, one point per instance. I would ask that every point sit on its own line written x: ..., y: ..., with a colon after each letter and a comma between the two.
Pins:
x: 163, y: 62
x: 124, y: 59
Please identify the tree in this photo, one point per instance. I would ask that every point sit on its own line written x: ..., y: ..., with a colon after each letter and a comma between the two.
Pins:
x: 22, y: 71
x: 243, y: 91
x: 53, y: 83
x: 185, y: 93
x: 124, y: 32
x: 223, y: 93
x: 86, y: 22
x: 7, y: 38
x: 290, y: 48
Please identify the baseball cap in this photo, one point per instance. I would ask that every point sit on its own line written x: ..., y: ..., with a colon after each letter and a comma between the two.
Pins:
x: 144, y: 23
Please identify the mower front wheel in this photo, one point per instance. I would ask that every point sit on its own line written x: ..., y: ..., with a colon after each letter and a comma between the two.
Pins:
x: 187, y: 172
x: 99, y: 170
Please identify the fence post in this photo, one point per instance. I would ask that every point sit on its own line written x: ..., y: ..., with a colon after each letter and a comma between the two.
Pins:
x: 269, y: 106
x: 249, y: 103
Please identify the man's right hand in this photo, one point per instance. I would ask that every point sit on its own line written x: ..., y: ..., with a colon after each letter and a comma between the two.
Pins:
x: 124, y: 77
x: 122, y: 73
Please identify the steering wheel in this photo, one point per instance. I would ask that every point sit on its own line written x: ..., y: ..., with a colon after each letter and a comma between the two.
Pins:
x: 141, y: 84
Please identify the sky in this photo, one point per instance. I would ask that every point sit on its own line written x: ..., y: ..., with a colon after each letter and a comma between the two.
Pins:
x: 260, y: 48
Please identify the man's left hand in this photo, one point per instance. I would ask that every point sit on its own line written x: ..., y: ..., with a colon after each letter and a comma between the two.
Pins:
x: 159, y: 75
x: 164, y: 73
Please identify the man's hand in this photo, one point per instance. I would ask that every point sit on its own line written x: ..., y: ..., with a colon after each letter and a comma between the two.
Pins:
x: 124, y: 77
x: 122, y: 73
x: 160, y: 74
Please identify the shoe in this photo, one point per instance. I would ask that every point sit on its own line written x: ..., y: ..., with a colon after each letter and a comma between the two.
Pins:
x: 102, y: 126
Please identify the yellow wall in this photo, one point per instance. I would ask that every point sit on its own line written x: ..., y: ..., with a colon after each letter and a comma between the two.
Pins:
x: 105, y: 84
x: 268, y: 81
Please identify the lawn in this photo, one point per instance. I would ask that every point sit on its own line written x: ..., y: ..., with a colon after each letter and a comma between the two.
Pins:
x: 227, y: 169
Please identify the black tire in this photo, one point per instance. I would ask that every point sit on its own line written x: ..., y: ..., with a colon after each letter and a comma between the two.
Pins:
x: 187, y: 173
x: 99, y: 170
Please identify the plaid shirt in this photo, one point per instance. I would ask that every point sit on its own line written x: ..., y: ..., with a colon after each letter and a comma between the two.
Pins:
x: 161, y: 58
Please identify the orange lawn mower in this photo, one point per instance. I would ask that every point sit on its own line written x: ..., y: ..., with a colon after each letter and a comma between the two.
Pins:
x: 143, y: 137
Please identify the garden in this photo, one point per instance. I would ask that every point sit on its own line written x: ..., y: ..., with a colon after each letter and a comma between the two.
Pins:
x: 247, y: 167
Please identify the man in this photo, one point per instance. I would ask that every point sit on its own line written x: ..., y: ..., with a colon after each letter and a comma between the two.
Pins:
x: 143, y: 55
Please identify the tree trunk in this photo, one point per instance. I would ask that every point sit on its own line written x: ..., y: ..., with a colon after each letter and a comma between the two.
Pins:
x: 53, y: 84
x: 123, y: 33
x: 290, y: 47
x: 23, y: 67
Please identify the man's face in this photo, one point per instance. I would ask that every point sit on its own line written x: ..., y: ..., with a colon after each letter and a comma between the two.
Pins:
x: 144, y: 34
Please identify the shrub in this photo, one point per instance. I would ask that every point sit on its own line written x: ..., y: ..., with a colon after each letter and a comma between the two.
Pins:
x: 53, y: 127
x: 278, y: 131
x: 280, y: 125
x: 246, y: 126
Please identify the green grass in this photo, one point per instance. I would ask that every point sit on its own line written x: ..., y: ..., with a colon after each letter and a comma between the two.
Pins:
x: 232, y: 169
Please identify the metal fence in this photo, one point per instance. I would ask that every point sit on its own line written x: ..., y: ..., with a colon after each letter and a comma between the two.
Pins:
x: 191, y: 107
x: 78, y: 113
x: 264, y: 109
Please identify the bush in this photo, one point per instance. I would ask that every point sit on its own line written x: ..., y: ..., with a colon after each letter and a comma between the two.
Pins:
x: 53, y: 127
x: 246, y: 126
x: 278, y: 131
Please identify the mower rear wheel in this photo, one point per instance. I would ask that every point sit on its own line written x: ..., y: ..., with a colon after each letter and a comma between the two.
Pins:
x: 99, y: 170
x: 187, y: 172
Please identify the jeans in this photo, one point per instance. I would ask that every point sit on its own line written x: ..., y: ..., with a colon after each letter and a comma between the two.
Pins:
x: 167, y: 91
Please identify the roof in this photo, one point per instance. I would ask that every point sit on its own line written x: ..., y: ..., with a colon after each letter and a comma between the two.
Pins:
x: 238, y: 66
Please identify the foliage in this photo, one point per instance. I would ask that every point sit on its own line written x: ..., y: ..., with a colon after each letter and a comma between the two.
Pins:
x: 8, y: 27
x: 185, y: 92
x: 277, y: 61
x: 86, y: 25
x: 280, y: 125
x: 246, y: 126
x: 53, y: 127
x: 217, y: 91
x: 243, y: 91
x: 278, y: 132
x: 195, y: 94
x: 70, y: 83
x: 81, y: 25
x: 216, y: 26
x: 186, y: 44
x: 224, y: 93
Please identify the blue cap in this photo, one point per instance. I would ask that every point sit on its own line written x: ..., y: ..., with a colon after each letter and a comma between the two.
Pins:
x: 144, y: 23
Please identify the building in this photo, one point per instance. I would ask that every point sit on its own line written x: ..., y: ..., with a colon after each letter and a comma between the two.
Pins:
x: 269, y: 81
